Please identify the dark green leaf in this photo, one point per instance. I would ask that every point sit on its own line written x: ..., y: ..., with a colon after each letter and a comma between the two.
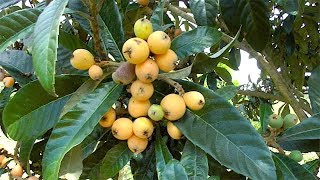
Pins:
x: 291, y: 7
x: 306, y: 145
x: 9, y: 10
x: 265, y: 112
x: 224, y: 74
x: 307, y: 129
x: 77, y: 124
x: 109, y: 42
x: 174, y: 170
x: 146, y: 167
x: 25, y: 152
x: 4, y: 97
x: 203, y: 64
x: 71, y: 165
x: 115, y: 159
x: 221, y: 131
x: 72, y: 42
x: 228, y: 92
x: 18, y: 64
x: 195, y: 41
x: 179, y: 74
x: 253, y: 15
x: 195, y: 162
x: 235, y: 58
x: 204, y: 11
x: 7, y: 3
x: 314, y: 93
x: 291, y: 169
x: 163, y: 156
x: 31, y: 112
x: 312, y: 166
x: 112, y: 18
x: 17, y: 25
x: 45, y: 44
x: 157, y: 17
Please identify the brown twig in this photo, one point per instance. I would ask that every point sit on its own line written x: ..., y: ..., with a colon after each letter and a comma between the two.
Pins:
x: 178, y: 87
x: 108, y: 64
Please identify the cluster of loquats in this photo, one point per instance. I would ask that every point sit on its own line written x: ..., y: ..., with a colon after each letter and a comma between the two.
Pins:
x: 147, y: 54
x: 17, y: 171
x: 82, y: 59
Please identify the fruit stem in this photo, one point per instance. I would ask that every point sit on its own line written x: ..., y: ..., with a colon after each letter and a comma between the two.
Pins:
x: 178, y: 87
x: 108, y: 64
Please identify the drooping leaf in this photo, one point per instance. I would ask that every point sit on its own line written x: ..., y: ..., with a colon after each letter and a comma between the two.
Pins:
x: 109, y: 42
x: 17, y: 25
x: 235, y: 58
x: 77, y: 124
x: 195, y: 41
x: 221, y: 131
x: 195, y: 162
x: 227, y: 47
x: 146, y: 167
x: 31, y: 112
x: 18, y: 64
x: 290, y: 169
x: 203, y: 64
x: 312, y: 166
x: 6, y: 3
x: 71, y: 165
x: 265, y: 112
x: 173, y: 170
x: 112, y: 18
x: 179, y: 74
x: 115, y: 159
x: 157, y: 18
x: 204, y: 11
x: 307, y: 129
x: 314, y: 93
x: 228, y: 92
x: 45, y: 44
x: 253, y: 15
x: 163, y: 156
x: 224, y: 74
x: 25, y: 152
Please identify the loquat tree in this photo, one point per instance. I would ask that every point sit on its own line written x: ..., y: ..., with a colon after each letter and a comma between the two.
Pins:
x: 98, y: 89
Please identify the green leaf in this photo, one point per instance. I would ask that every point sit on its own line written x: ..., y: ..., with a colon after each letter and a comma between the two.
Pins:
x: 45, y: 43
x: 31, y: 111
x: 6, y: 3
x: 253, y: 15
x: 265, y: 112
x: 157, y: 17
x: 77, y: 124
x: 307, y: 129
x: 25, y: 152
x: 174, y: 170
x: 235, y: 58
x: 195, y: 41
x: 227, y: 47
x: 112, y: 18
x: 18, y: 64
x: 72, y: 42
x: 224, y: 74
x: 291, y: 169
x: 314, y: 93
x: 221, y: 131
x: 195, y: 162
x: 9, y: 10
x: 291, y: 7
x: 4, y: 98
x: 16, y: 26
x: 306, y: 145
x: 179, y: 74
x: 109, y: 42
x: 71, y: 165
x: 115, y: 159
x: 312, y: 166
x: 228, y: 92
x: 163, y: 155
x: 203, y: 64
x: 204, y: 11
x: 146, y: 167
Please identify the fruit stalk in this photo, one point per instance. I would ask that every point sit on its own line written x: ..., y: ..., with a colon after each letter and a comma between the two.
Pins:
x: 173, y: 83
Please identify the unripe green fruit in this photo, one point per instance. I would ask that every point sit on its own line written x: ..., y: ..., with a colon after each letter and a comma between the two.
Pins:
x: 143, y: 28
x: 275, y: 121
x: 290, y: 120
x: 155, y: 112
x: 296, y: 155
x: 125, y: 74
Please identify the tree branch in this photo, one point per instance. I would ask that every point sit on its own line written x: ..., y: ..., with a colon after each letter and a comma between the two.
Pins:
x: 178, y: 87
x: 260, y: 94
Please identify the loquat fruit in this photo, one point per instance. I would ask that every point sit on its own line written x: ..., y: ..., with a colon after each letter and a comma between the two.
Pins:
x: 108, y: 118
x: 194, y: 100
x: 142, y: 28
x: 95, y: 72
x: 147, y: 71
x: 82, y: 59
x: 8, y: 81
x: 122, y: 128
x: 141, y: 91
x: 135, y: 50
x: 159, y: 42
x: 173, y: 131
x: 167, y: 61
x: 173, y: 106
x: 136, y: 144
x: 138, y: 108
x: 143, y: 127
